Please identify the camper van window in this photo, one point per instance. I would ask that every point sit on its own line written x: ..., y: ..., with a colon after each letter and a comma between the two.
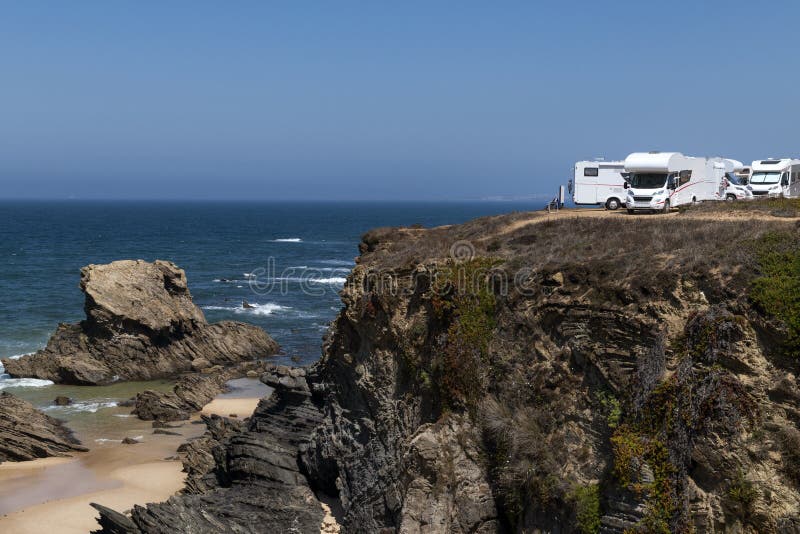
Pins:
x: 591, y: 171
x: 647, y: 180
x: 685, y: 176
x: 765, y: 178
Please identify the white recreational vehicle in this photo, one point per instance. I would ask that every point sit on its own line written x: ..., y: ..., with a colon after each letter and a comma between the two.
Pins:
x: 664, y: 180
x: 598, y: 183
x: 775, y: 177
x: 732, y: 187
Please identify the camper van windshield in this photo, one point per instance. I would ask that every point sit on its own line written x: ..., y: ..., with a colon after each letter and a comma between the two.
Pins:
x: 647, y: 180
x: 732, y: 178
x: 765, y: 178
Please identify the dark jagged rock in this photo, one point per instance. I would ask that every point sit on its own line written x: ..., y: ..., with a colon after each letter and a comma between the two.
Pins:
x: 130, y: 441
x: 141, y: 324
x: 165, y: 432
x: 158, y: 406
x: 26, y: 433
x: 242, y: 477
x: 113, y: 522
x: 62, y: 401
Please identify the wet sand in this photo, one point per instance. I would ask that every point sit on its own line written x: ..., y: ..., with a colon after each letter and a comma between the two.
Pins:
x: 137, y: 484
x: 53, y: 494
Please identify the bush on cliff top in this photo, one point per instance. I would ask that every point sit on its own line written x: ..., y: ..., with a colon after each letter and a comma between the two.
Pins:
x: 777, y: 291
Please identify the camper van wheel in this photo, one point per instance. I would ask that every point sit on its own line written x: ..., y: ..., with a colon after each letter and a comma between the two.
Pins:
x: 694, y: 200
x: 612, y: 204
x: 666, y: 206
x: 730, y: 198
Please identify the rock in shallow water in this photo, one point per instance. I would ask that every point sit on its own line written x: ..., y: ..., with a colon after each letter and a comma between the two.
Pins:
x: 26, y: 433
x: 141, y: 324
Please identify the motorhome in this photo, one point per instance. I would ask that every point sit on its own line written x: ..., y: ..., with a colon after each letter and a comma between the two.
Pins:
x: 775, y: 177
x: 663, y: 180
x: 598, y: 183
x: 731, y: 185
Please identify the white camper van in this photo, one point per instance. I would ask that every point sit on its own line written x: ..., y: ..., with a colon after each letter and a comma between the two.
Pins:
x: 599, y: 183
x: 775, y: 177
x: 731, y: 186
x: 664, y: 180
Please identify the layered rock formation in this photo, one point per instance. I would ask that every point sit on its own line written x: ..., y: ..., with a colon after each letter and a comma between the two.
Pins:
x: 27, y: 434
x: 140, y: 324
x: 241, y: 477
x: 524, y: 374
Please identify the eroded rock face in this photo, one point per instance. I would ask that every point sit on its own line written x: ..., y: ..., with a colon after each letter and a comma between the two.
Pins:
x: 600, y: 392
x: 140, y: 324
x: 27, y: 434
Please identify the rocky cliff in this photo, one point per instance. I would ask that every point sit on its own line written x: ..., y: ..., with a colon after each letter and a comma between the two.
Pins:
x: 27, y: 434
x: 140, y: 324
x: 529, y: 373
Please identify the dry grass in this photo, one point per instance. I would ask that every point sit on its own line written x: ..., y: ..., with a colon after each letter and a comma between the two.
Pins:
x: 773, y: 207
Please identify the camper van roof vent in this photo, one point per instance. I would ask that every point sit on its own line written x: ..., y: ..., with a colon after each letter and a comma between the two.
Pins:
x: 654, y: 152
x: 770, y: 162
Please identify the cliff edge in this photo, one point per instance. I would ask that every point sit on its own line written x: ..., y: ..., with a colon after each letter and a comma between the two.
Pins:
x: 535, y: 373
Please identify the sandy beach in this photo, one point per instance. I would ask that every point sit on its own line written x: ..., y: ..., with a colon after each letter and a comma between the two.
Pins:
x: 53, y: 494
x: 240, y: 408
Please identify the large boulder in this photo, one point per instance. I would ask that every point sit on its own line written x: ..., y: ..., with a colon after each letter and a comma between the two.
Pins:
x: 26, y: 433
x: 141, y: 324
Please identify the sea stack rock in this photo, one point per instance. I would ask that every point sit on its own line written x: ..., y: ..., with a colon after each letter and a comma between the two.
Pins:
x: 141, y: 324
x: 26, y: 433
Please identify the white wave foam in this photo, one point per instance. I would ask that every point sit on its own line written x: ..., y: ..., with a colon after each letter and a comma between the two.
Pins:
x: 287, y: 240
x: 24, y: 383
x: 83, y: 406
x: 257, y: 309
x: 18, y: 356
x: 313, y: 280
x: 332, y: 280
x: 106, y: 440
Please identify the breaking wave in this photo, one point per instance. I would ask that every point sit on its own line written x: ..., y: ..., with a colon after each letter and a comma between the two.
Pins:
x: 82, y: 406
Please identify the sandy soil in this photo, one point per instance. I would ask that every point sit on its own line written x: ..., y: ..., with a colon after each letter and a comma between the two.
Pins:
x: 541, y: 216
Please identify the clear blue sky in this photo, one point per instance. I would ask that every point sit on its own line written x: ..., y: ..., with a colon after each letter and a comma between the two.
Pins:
x: 380, y: 100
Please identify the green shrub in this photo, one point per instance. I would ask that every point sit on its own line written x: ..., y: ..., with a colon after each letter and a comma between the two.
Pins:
x: 743, y: 492
x: 587, y: 508
x: 463, y: 296
x: 612, y: 408
x: 777, y: 291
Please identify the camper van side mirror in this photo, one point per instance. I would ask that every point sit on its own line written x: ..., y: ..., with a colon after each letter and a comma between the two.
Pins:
x: 626, y: 185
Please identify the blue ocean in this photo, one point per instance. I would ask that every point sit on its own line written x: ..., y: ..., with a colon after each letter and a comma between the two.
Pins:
x: 303, y: 251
